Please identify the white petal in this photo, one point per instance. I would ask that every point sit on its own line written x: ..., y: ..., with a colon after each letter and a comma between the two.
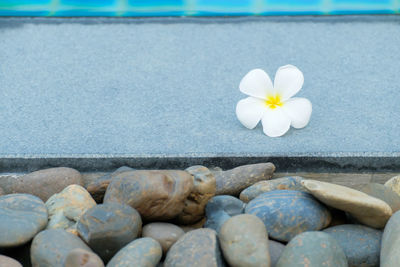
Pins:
x: 249, y: 111
x: 275, y: 122
x: 299, y: 111
x: 288, y: 81
x: 256, y: 83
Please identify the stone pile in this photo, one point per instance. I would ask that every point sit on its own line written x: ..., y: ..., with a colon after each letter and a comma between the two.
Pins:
x: 196, y: 217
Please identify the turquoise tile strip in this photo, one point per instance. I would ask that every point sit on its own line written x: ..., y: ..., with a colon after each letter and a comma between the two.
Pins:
x: 126, y: 8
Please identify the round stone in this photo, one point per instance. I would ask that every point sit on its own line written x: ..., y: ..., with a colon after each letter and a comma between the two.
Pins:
x: 8, y: 262
x: 312, y: 249
x: 141, y: 252
x: 275, y: 251
x: 390, y: 255
x: 394, y: 184
x: 287, y: 213
x: 165, y: 233
x: 82, y: 258
x: 244, y: 241
x: 383, y: 193
x: 361, y: 244
x: 106, y: 228
x: 22, y: 216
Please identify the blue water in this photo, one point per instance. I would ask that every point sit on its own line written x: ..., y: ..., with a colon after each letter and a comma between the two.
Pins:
x: 135, y: 8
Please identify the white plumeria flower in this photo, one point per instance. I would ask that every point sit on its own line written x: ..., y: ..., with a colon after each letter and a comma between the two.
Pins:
x: 273, y: 105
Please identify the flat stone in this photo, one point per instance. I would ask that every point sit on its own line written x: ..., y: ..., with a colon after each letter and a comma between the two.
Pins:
x: 360, y: 243
x: 390, y: 255
x: 284, y: 183
x: 287, y: 213
x: 98, y: 187
x: 45, y: 183
x: 9, y: 262
x: 366, y: 209
x: 383, y: 193
x: 275, y: 251
x: 22, y: 216
x: 156, y: 194
x: 65, y: 208
x: 196, y: 248
x: 141, y: 252
x: 51, y: 247
x: 244, y: 241
x: 82, y: 258
x: 220, y: 208
x: 164, y: 233
x: 394, y: 184
x: 204, y: 189
x: 232, y: 182
x: 108, y: 227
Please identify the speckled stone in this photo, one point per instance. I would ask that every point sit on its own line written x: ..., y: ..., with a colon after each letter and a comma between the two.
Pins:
x: 312, y: 249
x: 66, y: 207
x: 144, y: 252
x: 165, y: 233
x: 156, y: 194
x: 108, y: 227
x: 8, y: 262
x: 98, y: 187
x: 394, y: 184
x: 22, y: 216
x: 287, y: 213
x: 50, y: 248
x: 232, y: 182
x: 285, y: 183
x: 275, y: 250
x: 390, y: 255
x: 366, y: 209
x: 383, y: 193
x: 45, y: 183
x: 244, y: 241
x: 360, y: 243
x: 82, y: 258
x: 220, y: 208
x: 203, y: 190
x: 198, y: 248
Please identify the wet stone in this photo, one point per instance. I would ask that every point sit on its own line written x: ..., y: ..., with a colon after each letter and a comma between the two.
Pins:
x: 106, y: 228
x: 275, y: 251
x: 244, y: 241
x: 21, y: 217
x: 394, y: 184
x: 312, y: 249
x: 8, y: 262
x: 144, y: 252
x: 383, y: 193
x: 51, y: 247
x: 196, y: 248
x: 156, y: 194
x: 82, y: 258
x: 287, y: 213
x: 390, y: 255
x: 285, y: 183
x: 165, y: 233
x: 220, y: 208
x: 232, y: 182
x: 360, y: 243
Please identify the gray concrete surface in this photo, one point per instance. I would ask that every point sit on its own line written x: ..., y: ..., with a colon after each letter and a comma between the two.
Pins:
x: 98, y: 93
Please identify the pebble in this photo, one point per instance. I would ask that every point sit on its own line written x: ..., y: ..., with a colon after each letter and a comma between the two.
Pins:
x: 156, y: 194
x: 287, y: 213
x: 360, y: 243
x: 220, y: 208
x: 275, y: 250
x: 367, y: 210
x: 383, y: 193
x: 82, y: 258
x: 203, y: 190
x: 165, y: 233
x: 198, y: 248
x: 98, y: 187
x: 143, y: 252
x: 285, y: 183
x: 8, y: 262
x: 232, y: 182
x: 51, y: 247
x: 106, y: 228
x: 66, y: 207
x: 390, y: 255
x: 394, y: 184
x: 22, y: 216
x: 244, y: 241
x: 312, y: 249
x: 45, y: 183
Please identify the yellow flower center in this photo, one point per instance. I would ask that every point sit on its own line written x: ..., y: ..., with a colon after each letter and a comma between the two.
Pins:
x: 273, y: 101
